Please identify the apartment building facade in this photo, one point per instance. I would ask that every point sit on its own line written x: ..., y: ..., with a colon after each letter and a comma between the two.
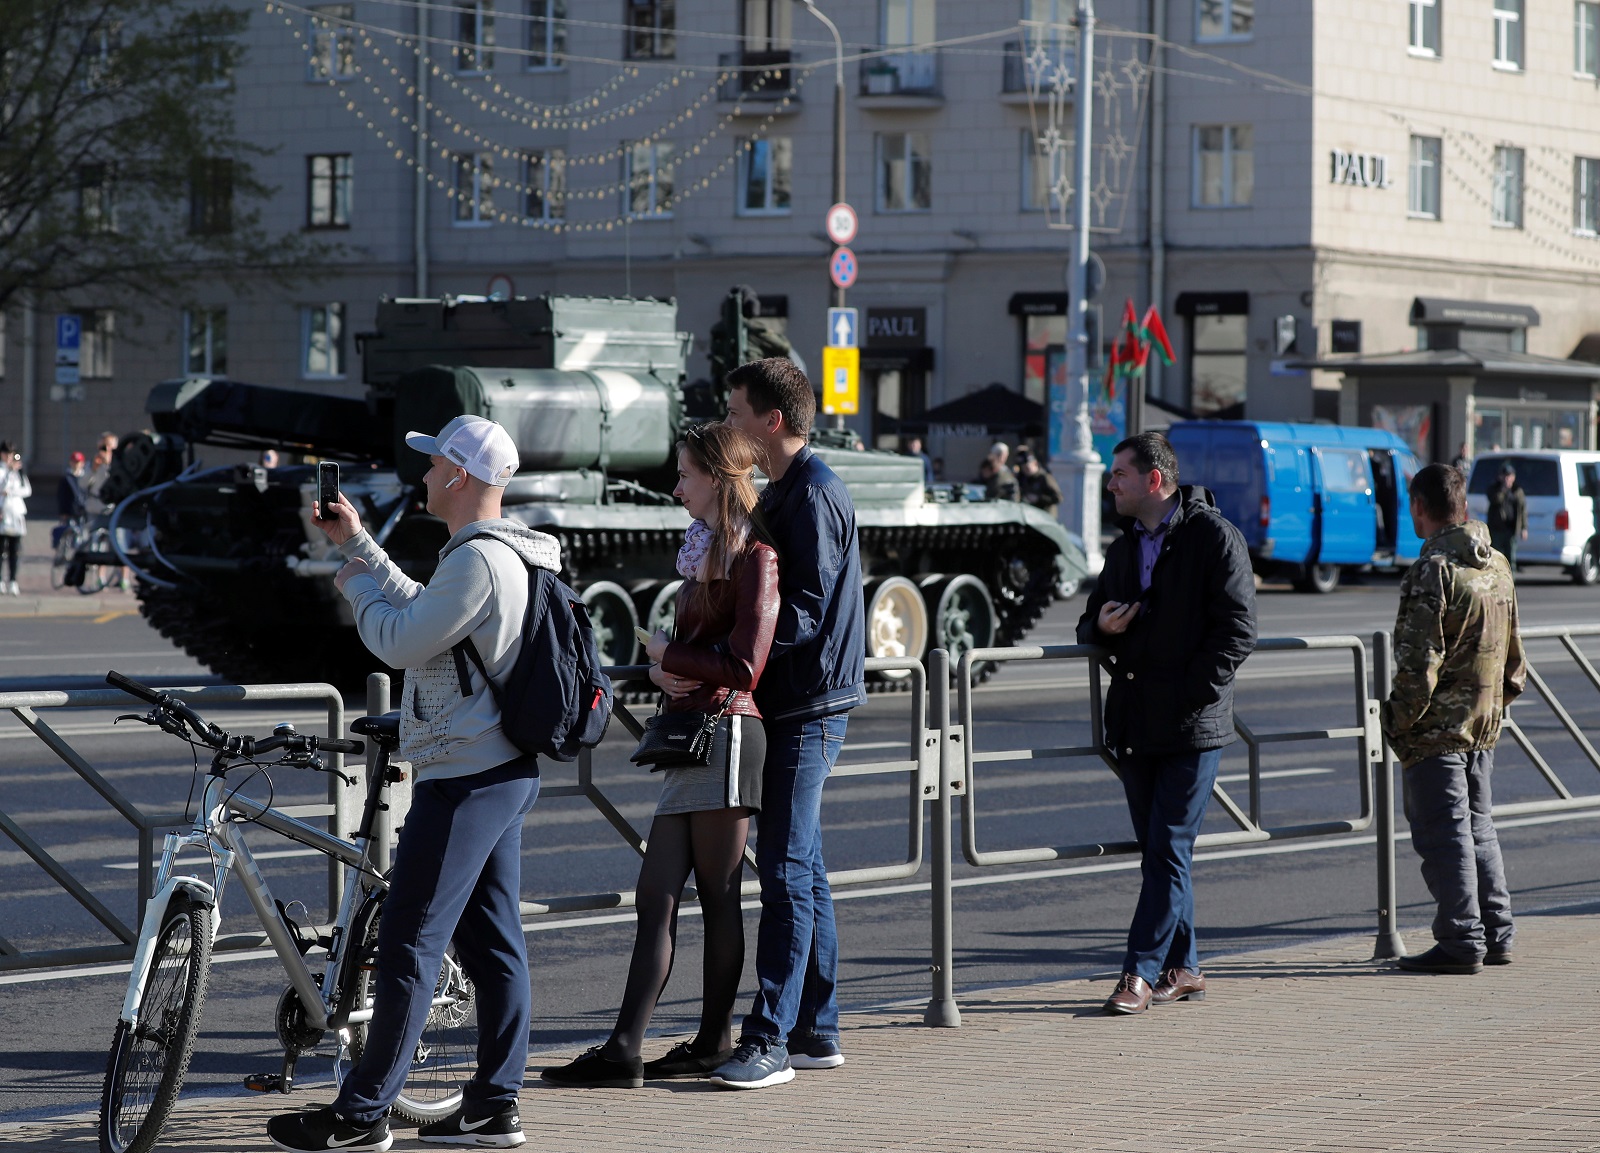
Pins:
x: 1293, y: 180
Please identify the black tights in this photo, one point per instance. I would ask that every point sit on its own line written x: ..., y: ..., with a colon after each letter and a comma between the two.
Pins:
x: 10, y: 548
x: 712, y: 845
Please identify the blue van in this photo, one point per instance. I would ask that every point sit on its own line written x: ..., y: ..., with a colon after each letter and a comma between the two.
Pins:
x: 1311, y: 499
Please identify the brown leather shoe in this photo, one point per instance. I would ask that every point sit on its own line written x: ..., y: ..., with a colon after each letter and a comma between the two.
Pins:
x: 1132, y: 995
x: 1179, y: 985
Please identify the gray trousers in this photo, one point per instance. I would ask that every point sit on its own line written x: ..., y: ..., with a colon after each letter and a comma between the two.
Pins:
x: 1448, y: 802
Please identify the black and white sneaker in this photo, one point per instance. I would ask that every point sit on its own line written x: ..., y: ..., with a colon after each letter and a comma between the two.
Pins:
x: 501, y: 1129
x: 319, y: 1130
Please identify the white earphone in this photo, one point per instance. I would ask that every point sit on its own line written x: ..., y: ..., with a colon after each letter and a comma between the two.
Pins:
x: 452, y: 482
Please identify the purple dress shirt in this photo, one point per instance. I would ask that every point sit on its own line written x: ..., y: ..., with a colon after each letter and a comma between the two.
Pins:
x: 1150, y: 545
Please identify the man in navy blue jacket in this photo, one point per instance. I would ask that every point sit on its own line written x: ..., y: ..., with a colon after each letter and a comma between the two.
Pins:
x: 815, y: 674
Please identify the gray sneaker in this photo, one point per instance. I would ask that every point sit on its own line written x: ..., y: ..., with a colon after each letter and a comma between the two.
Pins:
x: 757, y: 1063
x: 815, y: 1053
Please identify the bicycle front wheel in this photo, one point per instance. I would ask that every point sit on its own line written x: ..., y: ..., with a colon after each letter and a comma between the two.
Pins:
x: 446, y: 1056
x: 149, y: 1059
x: 97, y: 576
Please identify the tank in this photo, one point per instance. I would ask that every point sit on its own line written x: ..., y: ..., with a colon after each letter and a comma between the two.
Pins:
x: 231, y: 568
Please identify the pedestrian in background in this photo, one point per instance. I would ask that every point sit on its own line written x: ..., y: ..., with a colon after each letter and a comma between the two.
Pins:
x: 999, y: 482
x: 1035, y: 483
x: 727, y: 610
x: 1507, y: 517
x: 70, y: 497
x: 1458, y: 665
x: 815, y: 674
x: 1176, y: 608
x: 913, y: 447
x: 15, y: 489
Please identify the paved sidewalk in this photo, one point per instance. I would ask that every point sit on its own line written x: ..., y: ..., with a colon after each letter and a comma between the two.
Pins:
x: 1311, y: 1048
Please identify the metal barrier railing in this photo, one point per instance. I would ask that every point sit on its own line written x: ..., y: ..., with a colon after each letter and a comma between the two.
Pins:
x: 343, y: 805
x: 921, y: 768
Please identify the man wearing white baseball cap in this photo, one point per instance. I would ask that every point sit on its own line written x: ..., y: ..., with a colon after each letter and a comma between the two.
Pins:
x: 457, y: 867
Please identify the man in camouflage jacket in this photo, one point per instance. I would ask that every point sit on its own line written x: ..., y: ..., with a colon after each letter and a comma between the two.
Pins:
x: 1458, y: 664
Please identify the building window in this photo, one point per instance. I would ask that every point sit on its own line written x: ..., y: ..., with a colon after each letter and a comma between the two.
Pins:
x: 322, y: 341
x: 474, y: 189
x: 94, y: 343
x: 652, y: 29
x: 333, y: 41
x: 1586, y: 39
x: 649, y: 179
x: 211, y: 196
x: 205, y: 342
x: 1426, y: 152
x: 905, y: 172
x: 908, y: 22
x: 97, y: 205
x: 475, y: 36
x: 328, y: 181
x: 1218, y: 363
x: 1425, y: 27
x: 104, y: 48
x: 1586, y: 200
x: 768, y: 25
x: 1044, y: 175
x: 1508, y: 34
x: 1224, y: 165
x: 1044, y: 355
x: 547, y: 33
x: 544, y: 182
x: 1224, y: 19
x: 1506, y: 203
x: 766, y: 171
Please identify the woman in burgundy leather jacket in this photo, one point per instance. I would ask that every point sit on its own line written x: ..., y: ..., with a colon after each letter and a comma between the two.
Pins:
x: 727, y: 610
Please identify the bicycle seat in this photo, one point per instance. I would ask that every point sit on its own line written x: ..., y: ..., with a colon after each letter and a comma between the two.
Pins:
x: 384, y: 729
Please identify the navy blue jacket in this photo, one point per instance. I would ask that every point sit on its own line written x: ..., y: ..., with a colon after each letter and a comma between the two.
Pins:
x: 817, y: 665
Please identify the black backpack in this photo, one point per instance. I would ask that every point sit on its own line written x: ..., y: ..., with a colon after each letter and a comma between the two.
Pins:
x: 556, y: 700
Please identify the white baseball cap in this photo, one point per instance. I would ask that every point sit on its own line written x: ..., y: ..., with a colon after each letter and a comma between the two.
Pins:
x: 477, y: 444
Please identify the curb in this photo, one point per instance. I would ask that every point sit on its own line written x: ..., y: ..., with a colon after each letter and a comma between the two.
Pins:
x: 74, y: 606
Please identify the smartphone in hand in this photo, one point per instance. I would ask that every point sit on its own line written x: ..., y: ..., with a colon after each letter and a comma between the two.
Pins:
x: 327, y: 490
x: 644, y: 636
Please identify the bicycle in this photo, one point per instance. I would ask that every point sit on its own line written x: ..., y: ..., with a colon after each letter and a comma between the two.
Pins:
x: 155, y: 1033
x: 83, y: 557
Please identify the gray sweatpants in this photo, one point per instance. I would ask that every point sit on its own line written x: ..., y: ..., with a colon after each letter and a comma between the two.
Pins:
x: 1448, y: 802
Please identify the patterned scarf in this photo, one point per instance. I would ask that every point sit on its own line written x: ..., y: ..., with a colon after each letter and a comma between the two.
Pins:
x: 697, y: 541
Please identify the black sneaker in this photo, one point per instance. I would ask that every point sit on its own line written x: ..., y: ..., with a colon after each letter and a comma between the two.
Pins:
x: 1497, y: 957
x: 815, y: 1053
x: 319, y: 1130
x: 682, y: 1061
x: 1436, y: 960
x: 592, y: 1071
x: 501, y: 1129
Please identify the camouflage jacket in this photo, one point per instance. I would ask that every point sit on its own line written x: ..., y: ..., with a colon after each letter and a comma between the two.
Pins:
x: 1457, y: 653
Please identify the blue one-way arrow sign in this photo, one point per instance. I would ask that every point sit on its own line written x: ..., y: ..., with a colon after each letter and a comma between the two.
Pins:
x: 843, y: 325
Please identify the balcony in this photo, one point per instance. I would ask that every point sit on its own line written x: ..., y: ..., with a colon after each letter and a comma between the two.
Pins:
x: 1029, y: 65
x: 764, y: 77
x: 900, y: 78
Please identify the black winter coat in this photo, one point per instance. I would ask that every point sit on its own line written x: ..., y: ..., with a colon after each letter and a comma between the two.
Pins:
x: 1171, y: 672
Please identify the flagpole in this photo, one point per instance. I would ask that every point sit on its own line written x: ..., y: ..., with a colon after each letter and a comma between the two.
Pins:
x: 1079, y: 469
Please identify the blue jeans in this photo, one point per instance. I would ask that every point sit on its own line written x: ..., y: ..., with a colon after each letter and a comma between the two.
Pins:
x: 457, y: 876
x: 1448, y: 803
x: 797, y: 945
x: 1167, y: 799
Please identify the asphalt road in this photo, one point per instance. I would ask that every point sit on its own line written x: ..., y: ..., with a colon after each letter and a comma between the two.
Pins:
x: 1013, y: 924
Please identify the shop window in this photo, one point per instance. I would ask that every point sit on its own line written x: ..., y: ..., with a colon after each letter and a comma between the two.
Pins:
x: 1218, y: 365
x: 1425, y: 27
x: 1044, y: 349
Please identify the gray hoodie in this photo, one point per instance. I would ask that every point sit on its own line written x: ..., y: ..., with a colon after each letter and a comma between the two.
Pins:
x: 479, y: 590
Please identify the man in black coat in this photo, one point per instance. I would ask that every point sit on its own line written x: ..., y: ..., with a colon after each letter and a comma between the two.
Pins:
x: 1176, y: 608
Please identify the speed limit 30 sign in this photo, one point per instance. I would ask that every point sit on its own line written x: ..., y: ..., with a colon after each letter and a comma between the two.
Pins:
x: 841, y: 224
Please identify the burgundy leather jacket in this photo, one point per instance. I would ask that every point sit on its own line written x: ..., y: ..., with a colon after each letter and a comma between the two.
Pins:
x: 723, y: 633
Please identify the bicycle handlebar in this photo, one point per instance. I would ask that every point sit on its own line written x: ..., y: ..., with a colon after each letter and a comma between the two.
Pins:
x: 298, y: 743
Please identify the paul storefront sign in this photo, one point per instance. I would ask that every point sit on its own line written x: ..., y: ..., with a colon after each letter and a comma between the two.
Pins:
x: 1363, y: 169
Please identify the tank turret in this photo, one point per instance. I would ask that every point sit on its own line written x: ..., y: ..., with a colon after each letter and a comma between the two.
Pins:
x: 592, y: 390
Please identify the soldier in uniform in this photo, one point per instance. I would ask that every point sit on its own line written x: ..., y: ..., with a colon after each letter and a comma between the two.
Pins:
x: 1508, y: 514
x: 1037, y: 486
x: 1458, y: 664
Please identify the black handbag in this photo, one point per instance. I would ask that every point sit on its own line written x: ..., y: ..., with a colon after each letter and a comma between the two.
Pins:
x: 679, y: 740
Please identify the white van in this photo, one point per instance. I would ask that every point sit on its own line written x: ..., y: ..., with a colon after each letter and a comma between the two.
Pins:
x: 1563, y: 491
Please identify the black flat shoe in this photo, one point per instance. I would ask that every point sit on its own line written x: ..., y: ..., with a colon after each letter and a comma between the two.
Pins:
x: 682, y: 1061
x: 1436, y: 960
x: 592, y: 1071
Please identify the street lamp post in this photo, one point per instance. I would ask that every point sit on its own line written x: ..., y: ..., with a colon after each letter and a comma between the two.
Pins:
x: 1079, y: 469
x: 838, y: 138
